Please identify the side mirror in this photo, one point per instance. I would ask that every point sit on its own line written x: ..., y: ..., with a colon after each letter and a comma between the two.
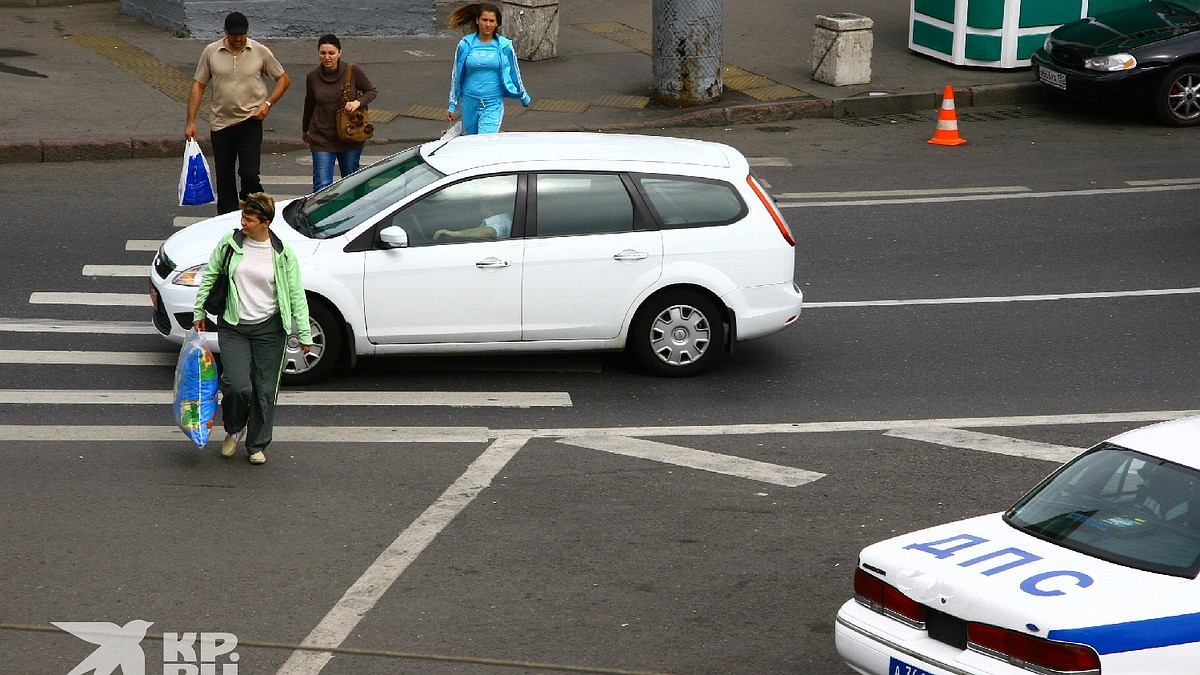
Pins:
x: 393, y: 237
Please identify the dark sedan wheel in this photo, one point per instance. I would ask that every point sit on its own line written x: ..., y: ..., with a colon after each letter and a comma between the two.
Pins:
x: 300, y: 368
x: 677, y: 334
x: 1178, y: 100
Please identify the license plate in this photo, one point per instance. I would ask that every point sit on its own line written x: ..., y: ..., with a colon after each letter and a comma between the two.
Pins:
x: 1053, y: 78
x: 898, y: 667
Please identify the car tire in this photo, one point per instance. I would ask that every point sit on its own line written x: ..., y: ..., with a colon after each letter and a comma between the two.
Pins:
x: 300, y: 368
x: 677, y: 334
x: 1177, y: 101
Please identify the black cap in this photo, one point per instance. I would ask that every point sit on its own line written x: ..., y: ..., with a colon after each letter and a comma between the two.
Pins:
x: 237, y: 24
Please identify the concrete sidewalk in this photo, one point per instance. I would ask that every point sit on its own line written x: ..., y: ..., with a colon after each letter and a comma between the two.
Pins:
x: 85, y: 82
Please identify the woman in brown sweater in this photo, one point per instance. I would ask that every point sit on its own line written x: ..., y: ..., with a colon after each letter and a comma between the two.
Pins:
x: 322, y: 97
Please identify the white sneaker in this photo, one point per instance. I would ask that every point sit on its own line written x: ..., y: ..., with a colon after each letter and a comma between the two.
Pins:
x: 229, y: 446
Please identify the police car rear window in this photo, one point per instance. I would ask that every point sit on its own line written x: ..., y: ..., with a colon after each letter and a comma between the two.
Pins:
x: 1122, y: 506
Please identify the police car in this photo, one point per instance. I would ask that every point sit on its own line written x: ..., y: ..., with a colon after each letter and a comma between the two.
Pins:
x: 1092, y: 572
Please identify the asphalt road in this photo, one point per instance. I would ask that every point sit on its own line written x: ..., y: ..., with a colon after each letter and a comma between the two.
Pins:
x: 1038, y: 283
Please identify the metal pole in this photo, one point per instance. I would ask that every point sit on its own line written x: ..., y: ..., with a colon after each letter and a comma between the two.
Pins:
x: 688, y: 51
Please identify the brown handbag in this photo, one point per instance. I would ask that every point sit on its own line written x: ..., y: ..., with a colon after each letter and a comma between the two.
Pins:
x: 354, y: 127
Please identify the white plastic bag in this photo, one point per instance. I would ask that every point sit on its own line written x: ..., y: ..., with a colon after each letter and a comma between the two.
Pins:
x: 195, y: 182
x: 453, y: 131
x: 196, y: 386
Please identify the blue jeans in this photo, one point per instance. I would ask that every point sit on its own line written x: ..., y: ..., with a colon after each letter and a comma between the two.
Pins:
x: 347, y: 161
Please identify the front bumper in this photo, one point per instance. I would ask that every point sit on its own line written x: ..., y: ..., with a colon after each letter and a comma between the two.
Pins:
x: 172, y: 311
x: 1090, y: 84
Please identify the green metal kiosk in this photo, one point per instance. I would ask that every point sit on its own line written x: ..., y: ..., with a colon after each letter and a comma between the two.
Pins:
x: 994, y: 33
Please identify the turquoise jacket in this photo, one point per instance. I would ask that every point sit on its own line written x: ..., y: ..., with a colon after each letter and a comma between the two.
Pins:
x: 289, y: 289
x: 510, y: 74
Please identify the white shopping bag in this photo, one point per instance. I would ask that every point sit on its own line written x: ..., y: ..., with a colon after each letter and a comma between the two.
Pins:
x: 195, y: 182
x: 453, y: 131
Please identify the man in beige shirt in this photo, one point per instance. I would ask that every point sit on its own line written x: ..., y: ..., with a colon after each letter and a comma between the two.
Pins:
x: 235, y: 66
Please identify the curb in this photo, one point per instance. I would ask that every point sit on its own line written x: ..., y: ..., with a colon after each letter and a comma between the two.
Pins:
x: 104, y: 149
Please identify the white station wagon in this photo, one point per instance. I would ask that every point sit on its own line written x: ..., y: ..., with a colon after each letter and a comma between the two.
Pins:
x: 1093, y: 572
x: 524, y: 242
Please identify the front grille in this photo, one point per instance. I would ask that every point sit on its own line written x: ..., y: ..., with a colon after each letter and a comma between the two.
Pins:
x: 162, y: 322
x: 163, y: 265
x: 945, y: 628
x: 1069, y: 56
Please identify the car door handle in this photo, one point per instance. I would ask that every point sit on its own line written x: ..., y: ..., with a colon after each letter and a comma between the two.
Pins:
x: 491, y: 262
x: 629, y: 254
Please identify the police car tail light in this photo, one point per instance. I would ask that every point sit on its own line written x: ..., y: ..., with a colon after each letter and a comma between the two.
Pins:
x: 886, y: 599
x: 1030, y: 652
x: 771, y: 209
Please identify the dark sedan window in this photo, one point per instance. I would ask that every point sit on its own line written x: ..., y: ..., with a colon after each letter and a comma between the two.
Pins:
x: 1121, y: 506
x: 683, y: 202
x: 582, y: 203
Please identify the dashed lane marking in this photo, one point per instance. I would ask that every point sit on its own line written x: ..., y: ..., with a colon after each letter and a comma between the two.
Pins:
x: 116, y: 270
x: 90, y: 299
x: 77, y: 326
x: 44, y: 357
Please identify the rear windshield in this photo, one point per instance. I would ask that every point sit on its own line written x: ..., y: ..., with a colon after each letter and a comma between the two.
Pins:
x: 349, y: 202
x: 1121, y: 506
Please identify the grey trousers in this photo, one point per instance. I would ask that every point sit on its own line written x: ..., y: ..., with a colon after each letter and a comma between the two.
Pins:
x: 251, y: 364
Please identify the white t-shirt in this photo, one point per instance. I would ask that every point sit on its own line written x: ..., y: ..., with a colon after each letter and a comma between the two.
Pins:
x: 255, y: 280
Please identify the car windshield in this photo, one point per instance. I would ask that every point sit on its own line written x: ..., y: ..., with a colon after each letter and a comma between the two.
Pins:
x: 1121, y: 506
x: 341, y: 207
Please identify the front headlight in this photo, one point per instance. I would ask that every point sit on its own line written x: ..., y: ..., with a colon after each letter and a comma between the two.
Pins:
x: 1046, y: 44
x: 1112, y: 63
x: 192, y: 276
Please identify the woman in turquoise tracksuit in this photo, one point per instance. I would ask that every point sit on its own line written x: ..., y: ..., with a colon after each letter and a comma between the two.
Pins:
x: 266, y: 299
x: 485, y: 71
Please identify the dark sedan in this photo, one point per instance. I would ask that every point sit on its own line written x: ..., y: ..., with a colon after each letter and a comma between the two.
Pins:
x: 1144, y: 54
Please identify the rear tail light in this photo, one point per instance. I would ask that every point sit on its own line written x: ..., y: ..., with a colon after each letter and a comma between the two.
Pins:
x: 771, y: 209
x: 886, y: 599
x: 1031, y: 652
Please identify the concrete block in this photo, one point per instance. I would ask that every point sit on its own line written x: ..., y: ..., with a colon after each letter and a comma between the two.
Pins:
x: 842, y: 46
x: 15, y: 152
x: 532, y: 25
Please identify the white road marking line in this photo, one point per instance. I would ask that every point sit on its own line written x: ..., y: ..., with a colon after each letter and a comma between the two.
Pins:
x: 986, y: 197
x: 1138, y: 417
x: 1164, y: 181
x: 87, y: 358
x: 360, y: 598
x: 287, y: 180
x: 339, y: 436
x: 452, y: 399
x: 768, y: 161
x: 116, y: 270
x: 1000, y: 189
x: 1005, y: 298
x: 184, y: 221
x: 91, y: 299
x: 347, y: 435
x: 143, y: 245
x: 697, y: 459
x: 75, y: 326
x: 1000, y: 445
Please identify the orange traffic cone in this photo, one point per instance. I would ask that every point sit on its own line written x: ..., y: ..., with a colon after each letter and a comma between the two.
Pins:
x: 947, y: 128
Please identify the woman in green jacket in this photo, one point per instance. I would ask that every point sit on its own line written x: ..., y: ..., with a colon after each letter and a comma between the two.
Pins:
x: 265, y: 301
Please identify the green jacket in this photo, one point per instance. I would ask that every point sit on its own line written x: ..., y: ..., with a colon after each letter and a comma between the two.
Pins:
x: 289, y: 289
